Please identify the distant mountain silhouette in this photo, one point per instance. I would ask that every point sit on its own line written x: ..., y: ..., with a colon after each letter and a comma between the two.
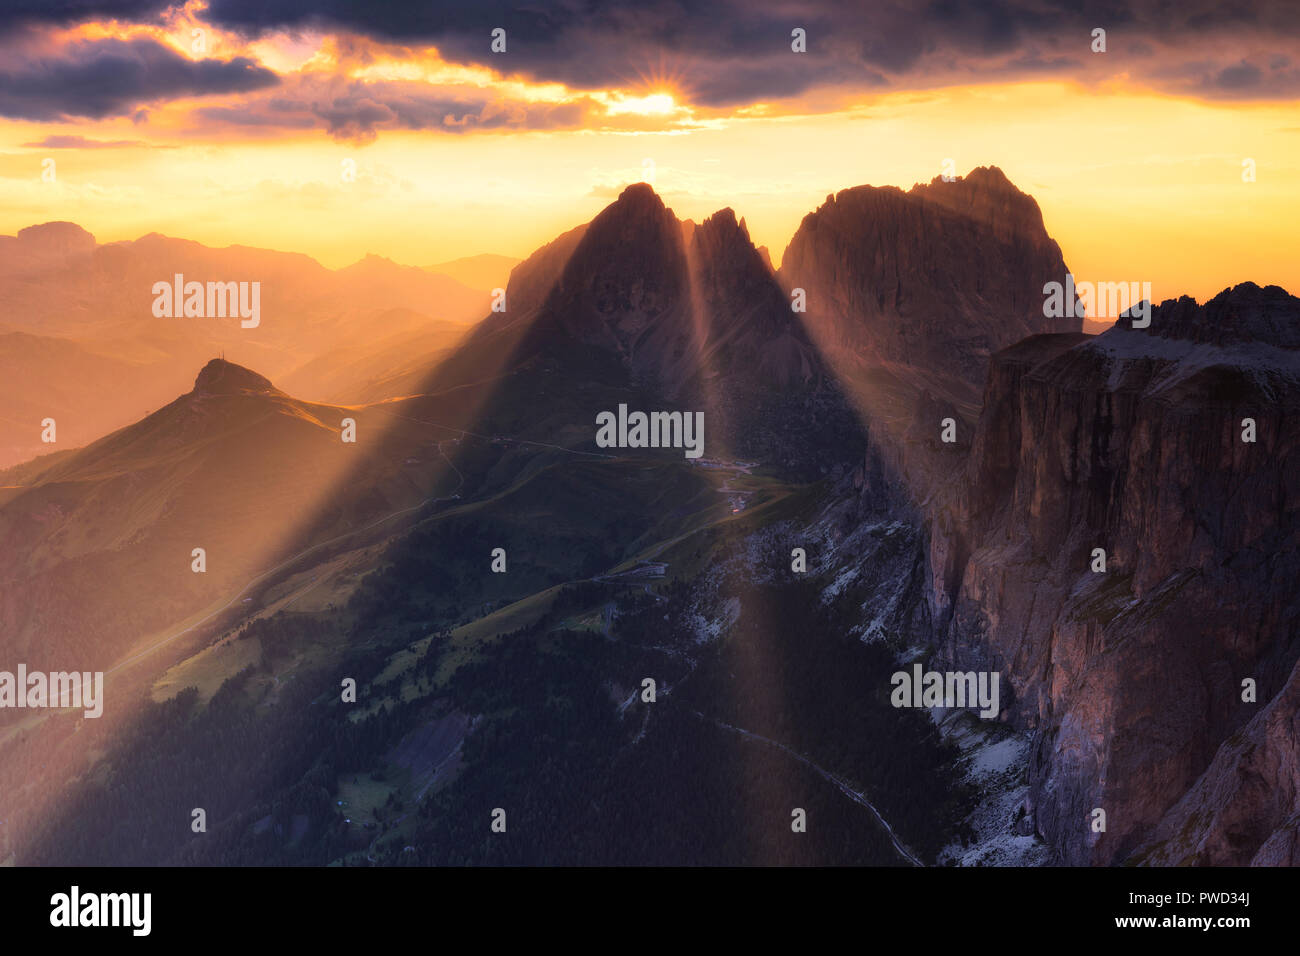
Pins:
x: 390, y: 364
x: 485, y: 272
x: 68, y: 294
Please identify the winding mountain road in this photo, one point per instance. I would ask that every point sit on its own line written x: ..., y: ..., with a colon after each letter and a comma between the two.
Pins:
x: 829, y: 777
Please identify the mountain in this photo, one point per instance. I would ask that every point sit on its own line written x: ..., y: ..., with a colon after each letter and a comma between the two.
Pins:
x: 57, y: 279
x: 100, y: 538
x: 1130, y: 680
x: 682, y: 305
x: 832, y: 535
x: 67, y: 293
x: 689, y: 314
x: 694, y: 312
x: 46, y: 246
x: 484, y: 272
x: 934, y: 279
x: 468, y: 679
x: 389, y: 291
x: 1242, y: 809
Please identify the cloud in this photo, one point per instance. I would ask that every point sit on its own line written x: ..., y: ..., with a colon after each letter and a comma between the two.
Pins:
x: 101, y: 78
x: 1257, y: 77
x: 81, y: 142
x: 734, y: 52
x: 356, y: 111
x: 715, y: 56
x: 67, y: 12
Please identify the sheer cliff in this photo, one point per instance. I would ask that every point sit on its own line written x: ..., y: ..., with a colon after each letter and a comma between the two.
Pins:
x: 1175, y: 450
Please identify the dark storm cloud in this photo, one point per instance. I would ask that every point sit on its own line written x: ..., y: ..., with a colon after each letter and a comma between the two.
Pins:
x: 724, y: 52
x: 65, y: 12
x: 101, y: 78
x: 729, y: 52
x: 713, y: 53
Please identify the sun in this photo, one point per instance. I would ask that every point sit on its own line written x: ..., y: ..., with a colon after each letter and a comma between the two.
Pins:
x: 652, y: 104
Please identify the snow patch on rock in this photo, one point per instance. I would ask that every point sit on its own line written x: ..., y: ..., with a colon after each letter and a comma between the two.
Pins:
x: 994, y: 760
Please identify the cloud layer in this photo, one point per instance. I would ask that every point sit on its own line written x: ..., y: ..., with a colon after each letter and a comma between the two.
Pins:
x: 717, y: 56
x: 96, y: 79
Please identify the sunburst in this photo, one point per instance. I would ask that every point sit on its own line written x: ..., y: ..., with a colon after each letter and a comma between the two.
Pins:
x: 664, y: 82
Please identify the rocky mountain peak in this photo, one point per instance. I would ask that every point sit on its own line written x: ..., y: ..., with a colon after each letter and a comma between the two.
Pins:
x: 220, y: 377
x: 45, y: 245
x: 57, y: 237
x: 1245, y: 313
x: 628, y: 267
x: 937, y: 278
x: 638, y: 208
x: 722, y: 242
x: 986, y: 195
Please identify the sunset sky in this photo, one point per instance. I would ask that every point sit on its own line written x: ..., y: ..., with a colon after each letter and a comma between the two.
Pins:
x: 237, y: 121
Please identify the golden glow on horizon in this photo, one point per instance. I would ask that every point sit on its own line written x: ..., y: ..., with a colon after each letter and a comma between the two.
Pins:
x: 1133, y: 185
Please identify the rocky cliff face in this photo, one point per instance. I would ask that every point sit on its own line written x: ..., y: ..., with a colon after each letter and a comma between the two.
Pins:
x: 1131, y: 678
x: 938, y: 277
x: 1243, y: 809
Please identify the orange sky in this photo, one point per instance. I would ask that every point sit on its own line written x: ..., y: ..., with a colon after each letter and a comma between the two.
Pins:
x: 1134, y: 184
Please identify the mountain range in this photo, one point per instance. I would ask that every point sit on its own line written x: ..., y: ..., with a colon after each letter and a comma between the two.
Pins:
x: 78, y: 315
x: 892, y: 402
